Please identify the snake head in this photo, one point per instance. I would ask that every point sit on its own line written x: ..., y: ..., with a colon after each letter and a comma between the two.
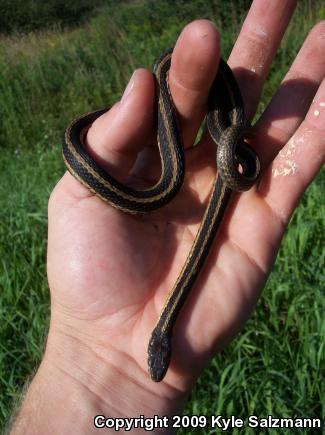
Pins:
x: 159, y: 354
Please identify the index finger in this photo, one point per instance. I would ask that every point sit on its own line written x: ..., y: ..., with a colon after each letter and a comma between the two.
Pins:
x: 193, y: 68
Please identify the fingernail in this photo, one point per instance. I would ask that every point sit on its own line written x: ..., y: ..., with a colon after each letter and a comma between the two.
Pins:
x: 129, y: 88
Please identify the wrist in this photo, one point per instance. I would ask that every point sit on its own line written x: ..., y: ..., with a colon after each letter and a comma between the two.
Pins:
x: 76, y: 382
x: 111, y: 379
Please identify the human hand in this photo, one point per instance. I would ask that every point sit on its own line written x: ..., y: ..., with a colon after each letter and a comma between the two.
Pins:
x: 110, y: 273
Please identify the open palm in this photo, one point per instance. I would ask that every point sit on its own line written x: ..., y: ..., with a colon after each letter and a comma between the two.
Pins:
x: 110, y: 273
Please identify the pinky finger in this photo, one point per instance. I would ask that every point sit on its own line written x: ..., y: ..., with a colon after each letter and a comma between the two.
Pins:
x: 297, y: 164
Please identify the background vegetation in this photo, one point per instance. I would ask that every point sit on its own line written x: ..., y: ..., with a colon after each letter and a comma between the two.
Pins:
x: 81, y: 59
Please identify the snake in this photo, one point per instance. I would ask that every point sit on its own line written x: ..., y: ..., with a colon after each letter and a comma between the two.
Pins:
x: 237, y: 170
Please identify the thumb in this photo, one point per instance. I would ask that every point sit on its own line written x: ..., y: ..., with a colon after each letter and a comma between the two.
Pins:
x: 116, y: 137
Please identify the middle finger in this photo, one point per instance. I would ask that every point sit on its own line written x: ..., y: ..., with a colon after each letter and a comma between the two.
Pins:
x: 256, y: 46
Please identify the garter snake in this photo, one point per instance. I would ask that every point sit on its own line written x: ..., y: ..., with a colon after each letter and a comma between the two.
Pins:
x: 237, y: 170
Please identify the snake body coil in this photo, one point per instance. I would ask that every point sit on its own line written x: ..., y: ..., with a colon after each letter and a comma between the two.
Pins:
x: 238, y: 168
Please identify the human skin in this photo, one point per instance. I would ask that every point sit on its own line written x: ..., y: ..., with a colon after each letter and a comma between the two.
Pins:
x: 109, y: 273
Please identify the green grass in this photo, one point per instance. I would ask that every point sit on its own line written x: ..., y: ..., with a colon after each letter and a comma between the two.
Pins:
x: 29, y: 15
x: 274, y: 365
